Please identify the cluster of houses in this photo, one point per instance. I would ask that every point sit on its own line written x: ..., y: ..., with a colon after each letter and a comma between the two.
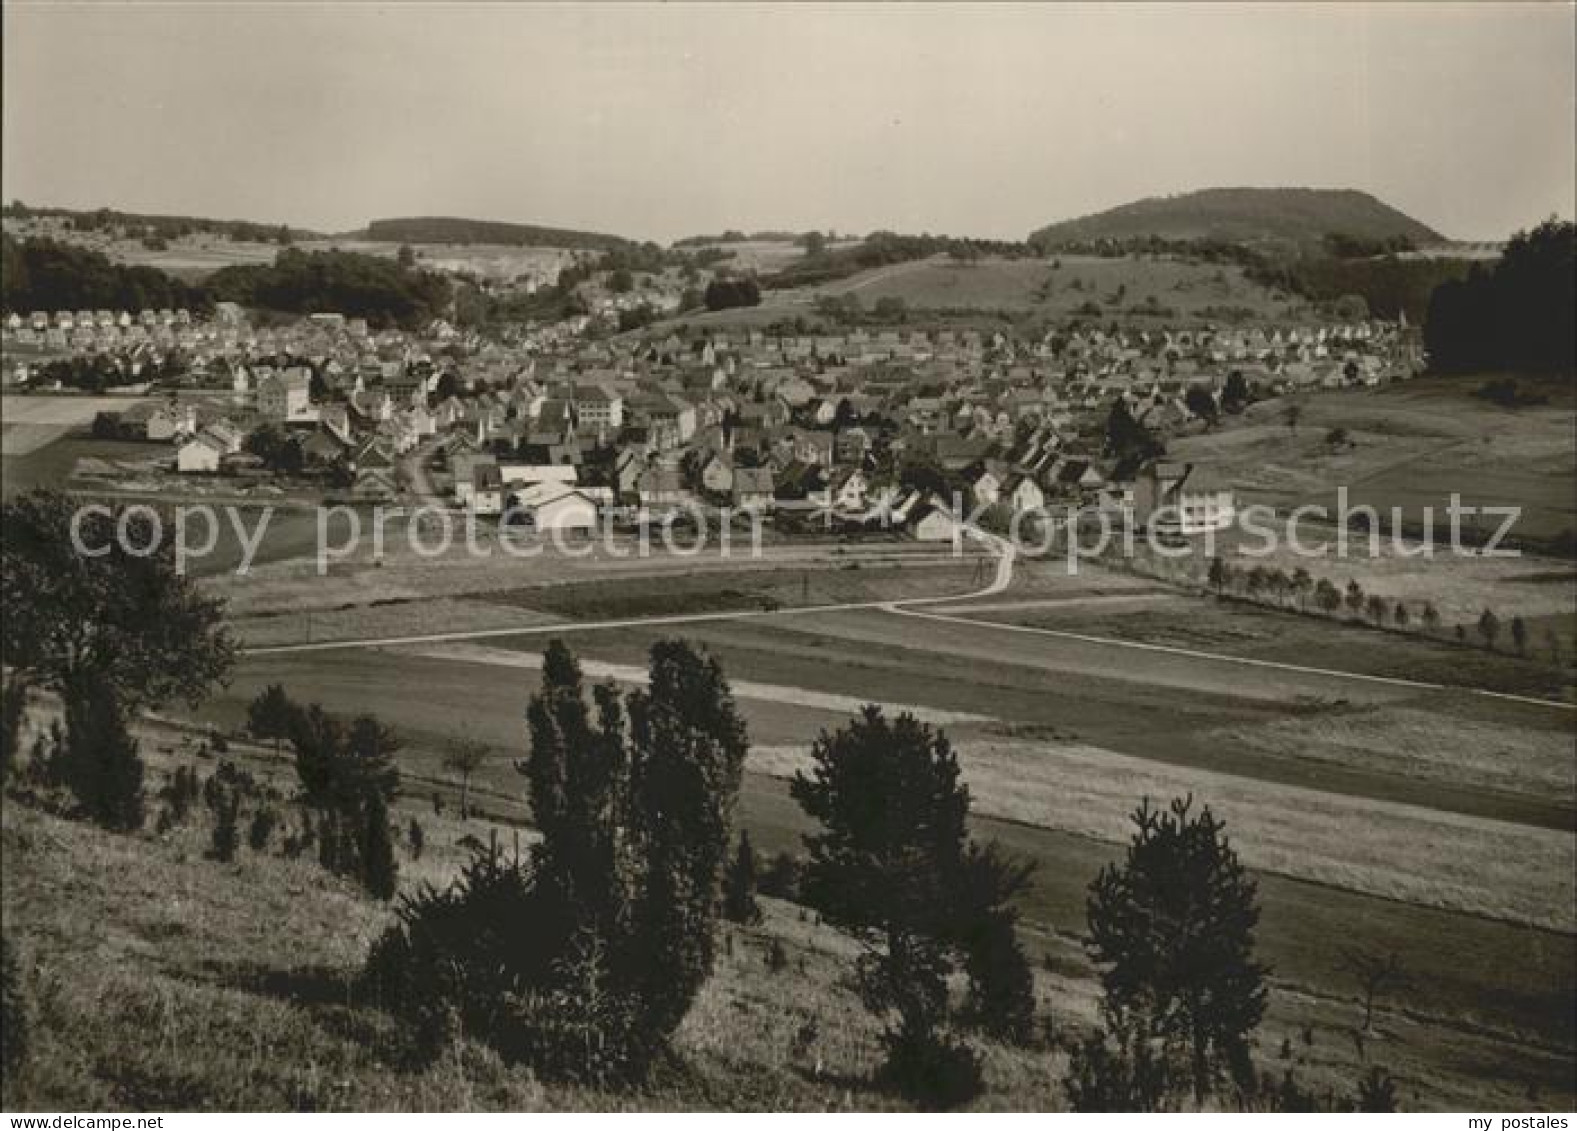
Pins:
x: 564, y: 426
x: 93, y: 331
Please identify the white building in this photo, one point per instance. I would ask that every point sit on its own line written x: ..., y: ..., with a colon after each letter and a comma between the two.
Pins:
x: 200, y: 454
x: 1183, y: 499
x: 555, y: 506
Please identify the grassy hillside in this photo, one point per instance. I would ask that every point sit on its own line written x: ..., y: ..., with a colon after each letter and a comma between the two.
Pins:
x: 1068, y: 286
x: 1411, y: 446
x: 1244, y: 215
x: 451, y: 230
x: 1148, y: 290
x: 157, y: 978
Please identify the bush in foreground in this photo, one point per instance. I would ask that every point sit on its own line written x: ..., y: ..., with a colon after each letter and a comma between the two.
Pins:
x: 584, y: 957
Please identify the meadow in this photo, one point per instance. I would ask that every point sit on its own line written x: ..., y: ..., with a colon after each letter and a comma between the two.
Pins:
x: 159, y: 978
x: 1143, y: 291
x: 1408, y: 446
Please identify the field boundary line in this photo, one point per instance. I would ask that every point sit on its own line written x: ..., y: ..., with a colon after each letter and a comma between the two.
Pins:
x: 1247, y: 661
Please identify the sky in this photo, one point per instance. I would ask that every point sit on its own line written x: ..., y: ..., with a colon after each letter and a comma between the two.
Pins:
x: 660, y: 121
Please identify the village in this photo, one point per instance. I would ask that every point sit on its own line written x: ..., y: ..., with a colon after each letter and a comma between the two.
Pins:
x: 565, y: 424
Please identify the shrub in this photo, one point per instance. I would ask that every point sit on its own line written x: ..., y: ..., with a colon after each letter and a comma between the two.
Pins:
x: 1376, y: 1091
x: 348, y: 774
x: 1001, y: 986
x: 781, y: 878
x: 777, y: 957
x: 934, y: 1070
x: 457, y: 953
x: 1116, y: 1074
x: 261, y: 830
x: 179, y: 795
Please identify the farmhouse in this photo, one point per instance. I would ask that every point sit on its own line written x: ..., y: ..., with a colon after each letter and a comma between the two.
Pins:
x: 933, y: 522
x: 198, y: 455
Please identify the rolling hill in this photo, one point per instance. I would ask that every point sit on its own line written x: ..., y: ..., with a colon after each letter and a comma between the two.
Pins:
x: 1300, y: 216
x: 451, y: 230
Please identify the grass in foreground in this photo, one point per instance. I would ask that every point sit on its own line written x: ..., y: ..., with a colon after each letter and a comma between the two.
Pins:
x: 160, y: 979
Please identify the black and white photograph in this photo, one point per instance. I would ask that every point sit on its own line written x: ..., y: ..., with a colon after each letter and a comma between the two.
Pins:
x: 634, y: 557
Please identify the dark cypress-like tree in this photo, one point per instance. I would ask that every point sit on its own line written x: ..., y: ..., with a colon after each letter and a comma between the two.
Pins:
x: 13, y: 709
x: 380, y: 870
x: 688, y: 755
x: 1172, y: 930
x: 1489, y: 628
x: 739, y: 886
x: 223, y: 797
x: 586, y: 959
x: 577, y: 777
x: 13, y: 1013
x: 101, y: 764
x: 344, y: 771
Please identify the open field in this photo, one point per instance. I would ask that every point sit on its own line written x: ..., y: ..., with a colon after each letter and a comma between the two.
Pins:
x: 1414, y: 445
x: 1059, y: 286
x: 1396, y: 851
x: 30, y: 424
x: 502, y: 262
x: 196, y: 257
x: 764, y: 256
x: 1055, y: 287
x: 362, y: 577
x: 1253, y: 632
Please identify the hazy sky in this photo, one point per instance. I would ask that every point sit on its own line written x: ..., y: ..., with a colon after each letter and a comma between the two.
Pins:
x: 659, y: 122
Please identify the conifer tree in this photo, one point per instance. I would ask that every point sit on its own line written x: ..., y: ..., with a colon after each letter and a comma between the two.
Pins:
x: 381, y: 872
x: 739, y: 886
x: 101, y: 764
x: 1172, y: 930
